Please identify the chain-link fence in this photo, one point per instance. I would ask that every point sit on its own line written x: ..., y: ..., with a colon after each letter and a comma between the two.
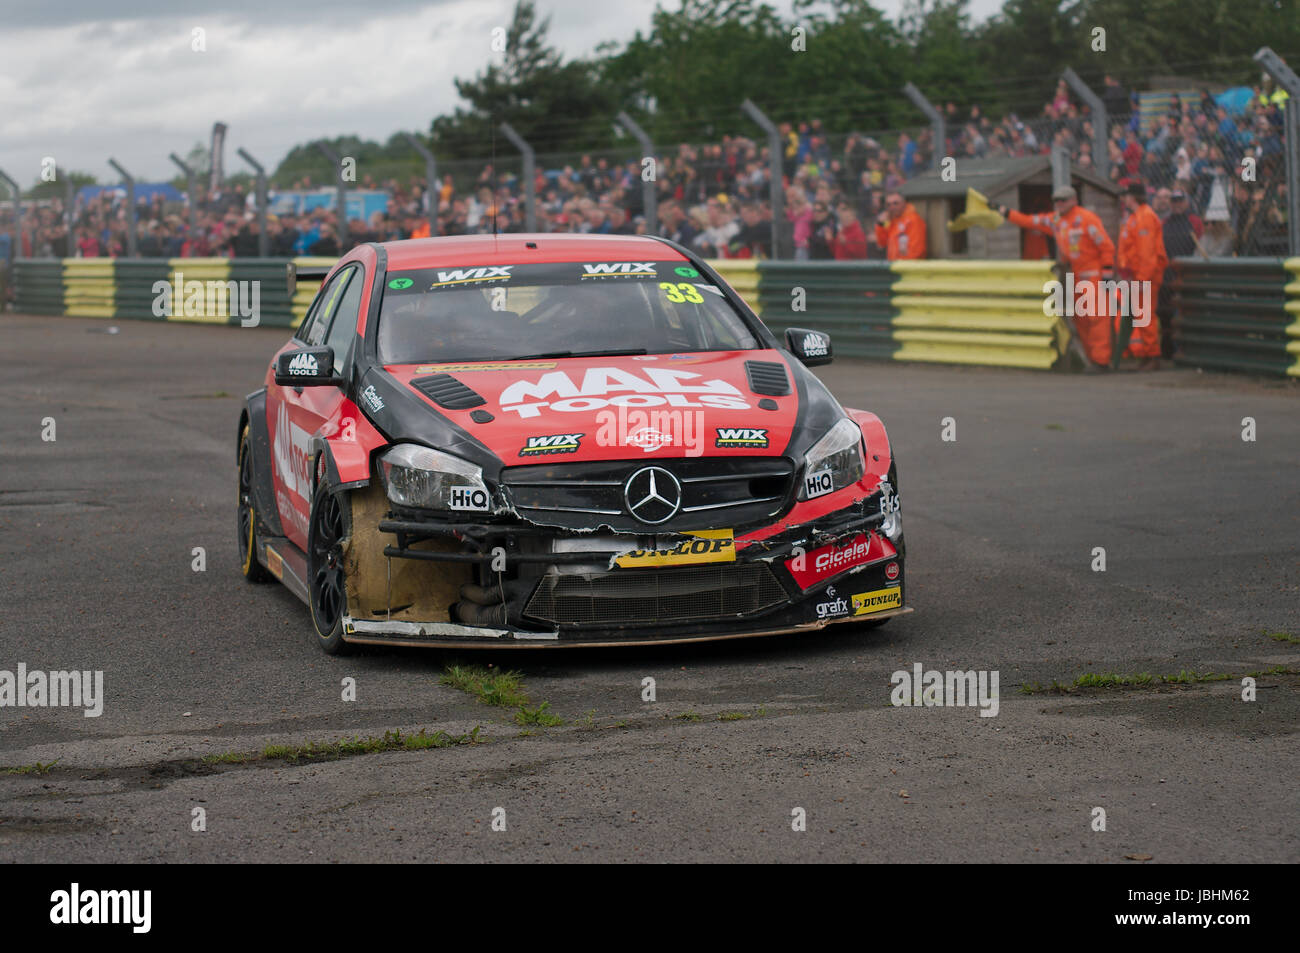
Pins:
x: 1217, y: 170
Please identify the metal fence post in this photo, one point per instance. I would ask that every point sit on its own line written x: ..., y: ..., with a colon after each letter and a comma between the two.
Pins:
x: 1100, y: 122
x: 344, y: 235
x: 937, y: 123
x: 1276, y: 67
x: 130, y: 208
x: 776, y: 173
x: 431, y: 180
x: 530, y: 175
x: 17, y: 250
x: 263, y: 239
x: 70, y: 193
x: 1060, y: 168
x: 649, y: 187
x: 190, y: 182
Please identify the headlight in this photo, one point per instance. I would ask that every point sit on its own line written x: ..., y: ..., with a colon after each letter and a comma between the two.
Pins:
x: 428, y: 479
x: 834, y: 462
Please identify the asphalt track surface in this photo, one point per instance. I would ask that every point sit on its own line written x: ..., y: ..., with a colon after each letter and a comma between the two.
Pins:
x: 1201, y: 532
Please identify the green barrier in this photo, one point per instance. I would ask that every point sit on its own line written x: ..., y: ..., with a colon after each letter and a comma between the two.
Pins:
x: 38, y: 285
x: 849, y: 300
x: 136, y: 280
x: 1233, y: 314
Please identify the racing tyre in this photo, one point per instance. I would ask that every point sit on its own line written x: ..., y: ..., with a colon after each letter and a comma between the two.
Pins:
x: 326, y: 582
x: 253, y: 570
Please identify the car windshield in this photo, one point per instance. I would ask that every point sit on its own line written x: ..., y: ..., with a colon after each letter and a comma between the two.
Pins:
x: 504, y: 312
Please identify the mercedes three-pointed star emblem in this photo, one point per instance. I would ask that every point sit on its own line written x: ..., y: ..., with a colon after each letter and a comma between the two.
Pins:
x: 652, y: 495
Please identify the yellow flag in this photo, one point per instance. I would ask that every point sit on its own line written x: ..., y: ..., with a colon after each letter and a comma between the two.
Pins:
x: 977, y: 213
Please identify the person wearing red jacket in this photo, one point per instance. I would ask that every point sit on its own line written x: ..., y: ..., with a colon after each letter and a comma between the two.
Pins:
x: 851, y: 241
x: 900, y: 230
x: 1085, y: 250
x: 1142, y: 258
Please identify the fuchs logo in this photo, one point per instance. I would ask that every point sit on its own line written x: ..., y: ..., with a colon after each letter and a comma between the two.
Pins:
x: 604, y: 386
x: 461, y: 276
x: 292, y: 449
x: 620, y: 269
x: 889, y: 504
x: 552, y: 443
x: 651, y: 430
x: 468, y: 498
x: 818, y: 484
x: 649, y: 439
x: 741, y: 437
x: 372, y: 399
x: 833, y: 607
x: 304, y: 365
x: 814, y: 345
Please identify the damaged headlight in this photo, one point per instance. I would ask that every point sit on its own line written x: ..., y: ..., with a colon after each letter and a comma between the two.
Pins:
x: 429, y: 479
x: 834, y: 462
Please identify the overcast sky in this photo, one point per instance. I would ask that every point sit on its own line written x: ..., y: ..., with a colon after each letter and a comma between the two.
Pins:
x: 81, y: 80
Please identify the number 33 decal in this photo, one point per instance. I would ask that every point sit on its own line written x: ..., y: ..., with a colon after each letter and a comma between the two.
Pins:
x: 680, y: 293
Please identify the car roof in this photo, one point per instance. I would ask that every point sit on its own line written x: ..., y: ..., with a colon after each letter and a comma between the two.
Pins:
x: 520, y: 248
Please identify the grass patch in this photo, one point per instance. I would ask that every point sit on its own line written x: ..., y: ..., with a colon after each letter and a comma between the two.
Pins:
x: 347, y: 747
x: 40, y: 767
x: 688, y: 716
x: 541, y: 715
x: 1105, y: 680
x: 500, y: 689
x: 1055, y: 426
x: 741, y: 715
x: 1283, y: 637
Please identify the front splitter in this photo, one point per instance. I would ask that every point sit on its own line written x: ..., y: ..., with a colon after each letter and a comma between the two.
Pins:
x: 449, y: 635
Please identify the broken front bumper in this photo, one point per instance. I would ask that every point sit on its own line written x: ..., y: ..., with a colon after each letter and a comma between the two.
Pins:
x: 525, y: 585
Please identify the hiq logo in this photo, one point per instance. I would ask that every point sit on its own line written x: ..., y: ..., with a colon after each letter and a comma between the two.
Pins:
x: 468, y: 498
x: 818, y: 484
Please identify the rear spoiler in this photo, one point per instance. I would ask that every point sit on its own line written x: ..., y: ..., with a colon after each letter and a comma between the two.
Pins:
x: 306, y: 272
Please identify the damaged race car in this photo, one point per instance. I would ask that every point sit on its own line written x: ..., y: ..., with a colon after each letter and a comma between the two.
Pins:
x: 559, y: 440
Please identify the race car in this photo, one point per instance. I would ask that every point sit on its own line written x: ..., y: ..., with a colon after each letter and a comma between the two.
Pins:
x: 559, y: 440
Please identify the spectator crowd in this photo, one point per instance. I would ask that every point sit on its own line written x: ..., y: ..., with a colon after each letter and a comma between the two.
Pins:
x: 839, y: 201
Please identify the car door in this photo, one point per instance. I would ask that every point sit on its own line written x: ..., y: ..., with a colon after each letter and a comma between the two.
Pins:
x: 295, y: 414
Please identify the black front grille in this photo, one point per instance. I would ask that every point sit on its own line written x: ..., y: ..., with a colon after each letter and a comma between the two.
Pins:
x: 446, y: 391
x: 644, y: 597
x: 715, y: 492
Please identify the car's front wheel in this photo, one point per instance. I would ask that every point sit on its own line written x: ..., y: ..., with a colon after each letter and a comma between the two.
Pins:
x: 326, y: 580
x: 253, y: 570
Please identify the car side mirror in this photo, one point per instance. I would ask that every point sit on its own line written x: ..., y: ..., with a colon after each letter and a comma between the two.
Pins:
x: 811, y: 347
x: 305, y: 367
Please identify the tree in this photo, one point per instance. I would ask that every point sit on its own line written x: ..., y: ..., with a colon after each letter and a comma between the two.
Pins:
x: 549, y: 102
